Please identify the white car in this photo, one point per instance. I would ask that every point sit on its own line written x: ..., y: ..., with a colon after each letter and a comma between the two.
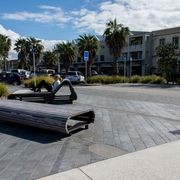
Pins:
x: 75, y: 77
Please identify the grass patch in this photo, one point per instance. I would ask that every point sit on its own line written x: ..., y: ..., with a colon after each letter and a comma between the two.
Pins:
x: 3, y: 90
x: 30, y: 82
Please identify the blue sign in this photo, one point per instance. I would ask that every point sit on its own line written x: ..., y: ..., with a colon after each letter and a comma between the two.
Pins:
x: 86, y: 55
x: 33, y: 50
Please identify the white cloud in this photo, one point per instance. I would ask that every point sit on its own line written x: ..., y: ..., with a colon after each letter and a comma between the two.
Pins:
x: 144, y: 15
x: 51, y: 15
x: 48, y: 44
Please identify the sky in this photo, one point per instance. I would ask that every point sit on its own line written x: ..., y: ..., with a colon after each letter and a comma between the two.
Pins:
x: 56, y: 20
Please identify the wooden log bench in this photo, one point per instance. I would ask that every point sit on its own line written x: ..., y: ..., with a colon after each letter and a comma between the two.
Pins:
x: 65, y: 119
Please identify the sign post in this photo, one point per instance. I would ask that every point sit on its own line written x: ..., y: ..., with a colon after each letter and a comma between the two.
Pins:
x: 86, y: 58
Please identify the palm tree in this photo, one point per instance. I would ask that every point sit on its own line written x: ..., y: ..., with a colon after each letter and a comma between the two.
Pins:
x: 5, y: 44
x: 37, y: 46
x: 115, y: 37
x: 50, y: 59
x: 22, y: 47
x: 88, y: 43
x: 67, y: 53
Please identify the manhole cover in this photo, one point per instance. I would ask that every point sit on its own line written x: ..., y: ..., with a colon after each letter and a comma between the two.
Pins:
x: 106, y: 151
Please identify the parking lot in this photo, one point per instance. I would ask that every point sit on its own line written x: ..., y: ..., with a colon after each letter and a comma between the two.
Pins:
x: 128, y: 118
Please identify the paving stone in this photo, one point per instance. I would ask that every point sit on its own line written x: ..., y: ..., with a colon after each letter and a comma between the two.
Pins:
x: 127, y: 119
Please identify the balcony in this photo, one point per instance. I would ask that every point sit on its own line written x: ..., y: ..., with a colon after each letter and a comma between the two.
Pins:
x: 138, y: 47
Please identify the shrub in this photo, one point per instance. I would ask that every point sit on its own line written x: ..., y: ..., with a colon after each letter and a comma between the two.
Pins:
x: 3, y: 90
x: 120, y: 79
x: 158, y: 80
x: 30, y: 82
x: 106, y: 79
x: 146, y: 79
x: 135, y: 79
x: 178, y: 81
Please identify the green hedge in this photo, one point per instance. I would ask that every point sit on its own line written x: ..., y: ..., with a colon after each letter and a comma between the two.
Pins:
x: 3, y: 90
x: 120, y: 79
x: 30, y: 82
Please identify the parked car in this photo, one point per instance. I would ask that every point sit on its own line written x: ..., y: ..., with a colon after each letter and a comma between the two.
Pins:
x: 94, y: 73
x: 48, y: 72
x: 75, y: 77
x: 25, y: 74
x: 11, y: 78
x: 22, y: 72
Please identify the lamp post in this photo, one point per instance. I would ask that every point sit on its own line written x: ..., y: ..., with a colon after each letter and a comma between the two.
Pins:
x: 130, y: 66
x: 34, y: 65
x: 124, y: 68
x: 59, y: 64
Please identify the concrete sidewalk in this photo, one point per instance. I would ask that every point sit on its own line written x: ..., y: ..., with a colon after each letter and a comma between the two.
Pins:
x: 160, y: 162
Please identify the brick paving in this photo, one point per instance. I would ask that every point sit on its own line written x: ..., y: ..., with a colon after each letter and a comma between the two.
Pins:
x: 127, y: 119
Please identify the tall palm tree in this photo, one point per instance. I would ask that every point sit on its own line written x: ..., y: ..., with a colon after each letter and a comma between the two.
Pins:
x: 22, y: 47
x: 115, y: 37
x: 37, y: 46
x: 50, y: 59
x: 88, y: 43
x: 67, y: 51
x: 5, y: 44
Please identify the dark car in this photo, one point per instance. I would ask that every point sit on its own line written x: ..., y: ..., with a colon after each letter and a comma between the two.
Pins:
x: 11, y: 78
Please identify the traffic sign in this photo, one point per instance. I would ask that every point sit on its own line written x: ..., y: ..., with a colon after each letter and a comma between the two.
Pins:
x: 86, y: 55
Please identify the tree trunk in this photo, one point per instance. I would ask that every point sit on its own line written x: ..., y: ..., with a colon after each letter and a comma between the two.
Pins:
x: 115, y: 66
x: 89, y: 68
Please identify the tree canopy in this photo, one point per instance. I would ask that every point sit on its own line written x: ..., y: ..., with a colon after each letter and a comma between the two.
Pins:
x: 167, y: 60
x: 67, y: 53
x: 89, y: 43
x: 115, y: 36
x: 5, y: 45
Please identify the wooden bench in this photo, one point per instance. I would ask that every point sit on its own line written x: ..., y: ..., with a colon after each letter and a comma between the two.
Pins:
x: 65, y: 119
x: 46, y: 97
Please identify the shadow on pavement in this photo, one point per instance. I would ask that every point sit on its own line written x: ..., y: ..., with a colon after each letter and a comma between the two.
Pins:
x: 176, y: 132
x: 31, y: 133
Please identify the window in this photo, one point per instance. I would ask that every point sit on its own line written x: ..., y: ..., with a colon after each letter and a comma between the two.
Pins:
x: 136, y: 41
x: 136, y: 55
x: 175, y: 41
x: 162, y: 42
x: 102, y: 58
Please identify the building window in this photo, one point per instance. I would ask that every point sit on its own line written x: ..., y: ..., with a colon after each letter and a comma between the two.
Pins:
x: 79, y: 59
x: 102, y: 58
x: 175, y: 41
x: 162, y: 42
x: 136, y: 41
x: 136, y: 55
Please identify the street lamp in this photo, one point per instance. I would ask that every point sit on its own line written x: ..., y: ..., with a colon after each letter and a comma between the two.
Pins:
x: 124, y: 67
x: 130, y: 66
x: 59, y: 64
x: 34, y: 64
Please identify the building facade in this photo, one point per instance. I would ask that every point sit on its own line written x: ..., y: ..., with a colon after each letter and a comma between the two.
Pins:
x: 135, y: 58
x: 162, y: 37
